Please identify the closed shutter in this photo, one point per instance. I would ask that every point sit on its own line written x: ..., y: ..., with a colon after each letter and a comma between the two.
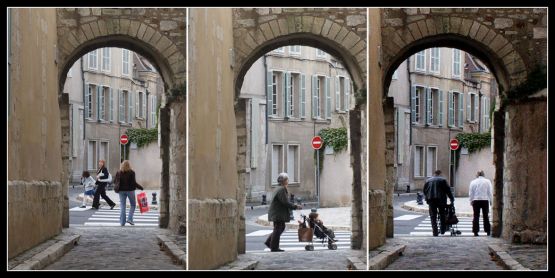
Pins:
x: 428, y: 106
x: 413, y: 104
x: 303, y: 96
x: 131, y: 104
x: 346, y: 103
x: 314, y: 97
x: 144, y: 106
x: 337, y: 94
x: 451, y: 115
x: 461, y: 110
x: 468, y: 107
x: 328, y: 98
x: 287, y: 93
x: 87, y: 102
x: 121, y: 106
x: 137, y: 104
x: 440, y: 114
x: 269, y: 88
x: 476, y: 108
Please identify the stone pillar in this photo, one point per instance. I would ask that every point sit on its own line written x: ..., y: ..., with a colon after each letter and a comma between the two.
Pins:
x: 391, y: 171
x: 525, y: 172
x: 242, y: 168
x: 63, y: 100
x: 164, y: 200
x: 178, y: 167
x: 357, y: 221
x: 498, y: 130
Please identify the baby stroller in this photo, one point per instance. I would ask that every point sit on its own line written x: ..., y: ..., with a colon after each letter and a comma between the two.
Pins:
x: 309, y: 228
x: 451, y: 221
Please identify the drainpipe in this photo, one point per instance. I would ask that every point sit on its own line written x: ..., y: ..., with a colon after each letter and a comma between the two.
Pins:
x: 266, y: 90
x: 84, y: 121
x: 410, y: 100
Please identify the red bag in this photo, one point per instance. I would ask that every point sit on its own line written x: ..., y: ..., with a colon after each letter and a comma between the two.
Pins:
x: 143, y: 202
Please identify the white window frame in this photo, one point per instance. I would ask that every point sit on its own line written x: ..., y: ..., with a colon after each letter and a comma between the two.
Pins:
x: 418, y: 104
x: 435, y: 113
x: 95, y: 58
x: 102, y: 104
x: 275, y: 93
x: 295, y: 94
x: 472, y: 107
x: 274, y: 182
x: 293, y: 50
x: 109, y: 63
x: 437, y: 71
x: 454, y: 64
x: 140, y: 100
x: 279, y: 50
x: 153, y: 106
x: 123, y: 51
x: 298, y: 166
x: 92, y: 109
x: 416, y: 68
x: 94, y: 158
x: 122, y: 94
x: 457, y: 117
x: 422, y: 162
x: 427, y: 172
x: 320, y: 53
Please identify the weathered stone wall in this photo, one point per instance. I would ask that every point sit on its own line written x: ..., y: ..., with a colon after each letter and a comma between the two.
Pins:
x: 35, y: 174
x: 525, y: 172
x: 178, y: 167
x: 214, y: 199
x: 391, y: 171
x: 512, y: 41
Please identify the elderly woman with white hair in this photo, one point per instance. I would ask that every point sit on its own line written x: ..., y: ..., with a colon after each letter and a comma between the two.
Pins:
x: 279, y: 212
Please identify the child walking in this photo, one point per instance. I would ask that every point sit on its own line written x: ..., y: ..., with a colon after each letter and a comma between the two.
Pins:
x: 89, y: 184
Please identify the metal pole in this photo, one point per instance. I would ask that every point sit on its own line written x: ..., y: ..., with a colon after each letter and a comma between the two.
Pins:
x: 318, y: 176
x: 124, y: 153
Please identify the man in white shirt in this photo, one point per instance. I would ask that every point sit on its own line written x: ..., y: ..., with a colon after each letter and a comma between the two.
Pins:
x: 480, y: 195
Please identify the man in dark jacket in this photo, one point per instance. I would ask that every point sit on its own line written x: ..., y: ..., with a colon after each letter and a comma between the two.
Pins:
x: 436, y: 191
x: 279, y: 212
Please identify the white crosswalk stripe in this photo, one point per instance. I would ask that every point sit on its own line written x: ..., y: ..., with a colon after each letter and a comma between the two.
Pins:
x: 289, y: 241
x: 107, y: 217
x: 424, y: 228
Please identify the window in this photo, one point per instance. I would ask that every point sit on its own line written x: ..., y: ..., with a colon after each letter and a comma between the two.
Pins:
x: 153, y: 108
x: 123, y: 105
x: 275, y: 95
x: 277, y: 162
x: 280, y: 50
x: 90, y: 101
x: 102, y: 103
x: 111, y: 103
x: 456, y: 63
x: 434, y: 107
x: 295, y: 50
x: 103, y: 152
x: 141, y: 101
x: 417, y: 103
x: 394, y: 76
x: 125, y: 61
x: 419, y: 161
x: 93, y: 60
x: 293, y: 163
x: 485, y: 114
x: 295, y: 95
x: 321, y: 97
x: 431, y: 161
x: 106, y: 61
x: 434, y: 60
x: 91, y: 156
x: 455, y: 109
x: 420, y: 64
x: 320, y: 53
x: 342, y: 90
x: 472, y: 107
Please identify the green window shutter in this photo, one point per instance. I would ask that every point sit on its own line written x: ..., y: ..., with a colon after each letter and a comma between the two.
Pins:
x: 428, y: 106
x: 476, y: 108
x: 413, y: 104
x: 347, y: 94
x: 440, y: 114
x: 287, y: 94
x: 303, y: 96
x: 337, y: 94
x: 86, y: 100
x: 269, y: 88
x: 461, y: 110
x: 451, y: 115
x: 328, y: 98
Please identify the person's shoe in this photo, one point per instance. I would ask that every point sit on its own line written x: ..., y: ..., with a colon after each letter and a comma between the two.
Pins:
x: 278, y: 250
x: 130, y: 222
x: 267, y: 244
x: 94, y: 207
x: 83, y: 207
x: 475, y: 234
x: 112, y: 206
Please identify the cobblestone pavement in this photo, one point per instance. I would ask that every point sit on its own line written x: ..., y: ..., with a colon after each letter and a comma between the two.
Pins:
x: 445, y: 253
x: 302, y: 260
x: 29, y: 254
x: 528, y: 255
x: 116, y: 248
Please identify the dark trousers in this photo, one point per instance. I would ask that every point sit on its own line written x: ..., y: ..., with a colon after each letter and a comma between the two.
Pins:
x: 101, y: 192
x: 273, y: 238
x: 435, y: 207
x: 484, y: 206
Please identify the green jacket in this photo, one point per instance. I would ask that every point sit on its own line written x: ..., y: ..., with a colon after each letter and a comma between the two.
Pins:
x: 280, y: 206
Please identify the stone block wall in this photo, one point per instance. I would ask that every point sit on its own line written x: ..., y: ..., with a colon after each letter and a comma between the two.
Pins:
x: 178, y: 167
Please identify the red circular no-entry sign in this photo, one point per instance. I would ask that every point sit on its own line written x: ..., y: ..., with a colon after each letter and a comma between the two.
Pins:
x: 123, y: 139
x: 317, y: 142
x: 454, y: 144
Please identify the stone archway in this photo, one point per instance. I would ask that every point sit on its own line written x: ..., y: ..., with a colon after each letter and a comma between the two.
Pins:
x: 505, y: 40
x: 158, y: 35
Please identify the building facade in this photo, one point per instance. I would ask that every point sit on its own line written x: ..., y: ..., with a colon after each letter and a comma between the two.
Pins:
x: 292, y: 93
x: 110, y: 90
x: 438, y: 93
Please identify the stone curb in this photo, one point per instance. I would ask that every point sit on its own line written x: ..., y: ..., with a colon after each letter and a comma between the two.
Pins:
x: 261, y: 221
x: 356, y: 263
x: 239, y: 265
x: 502, y: 256
x: 50, y: 254
x: 411, y: 205
x: 382, y: 260
x: 176, y: 253
x: 103, y: 202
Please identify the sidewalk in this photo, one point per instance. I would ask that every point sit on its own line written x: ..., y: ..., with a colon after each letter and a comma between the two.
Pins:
x: 115, y: 197
x: 462, y: 207
x: 337, y: 219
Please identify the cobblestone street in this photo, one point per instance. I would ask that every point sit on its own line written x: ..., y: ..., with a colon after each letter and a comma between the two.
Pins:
x: 115, y: 248
x: 445, y: 253
x: 302, y: 260
x: 531, y: 256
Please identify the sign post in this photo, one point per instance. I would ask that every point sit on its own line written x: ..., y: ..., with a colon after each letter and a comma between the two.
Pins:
x: 453, y: 145
x: 123, y: 139
x: 317, y: 144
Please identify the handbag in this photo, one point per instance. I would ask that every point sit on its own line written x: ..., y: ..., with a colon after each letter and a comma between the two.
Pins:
x: 116, y: 183
x: 451, y: 216
x: 143, y: 202
x: 305, y: 234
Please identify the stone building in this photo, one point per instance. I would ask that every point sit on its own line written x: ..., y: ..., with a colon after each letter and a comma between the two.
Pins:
x: 438, y: 93
x: 121, y: 90
x: 306, y: 90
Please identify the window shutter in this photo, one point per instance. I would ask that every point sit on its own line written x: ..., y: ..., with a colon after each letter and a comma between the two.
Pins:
x: 476, y: 108
x: 461, y: 110
x: 130, y: 104
x: 337, y: 94
x: 86, y: 100
x: 440, y: 115
x: 314, y: 97
x: 303, y: 96
x: 97, y: 102
x: 428, y: 106
x: 328, y: 98
x: 451, y: 115
x: 121, y: 106
x: 269, y: 87
x: 136, y: 97
x: 413, y: 104
x: 287, y: 94
x: 346, y: 103
x: 111, y: 105
x: 468, y: 107
x: 144, y: 106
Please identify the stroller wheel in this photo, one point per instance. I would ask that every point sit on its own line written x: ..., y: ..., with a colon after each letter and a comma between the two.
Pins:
x: 332, y: 246
x: 309, y: 248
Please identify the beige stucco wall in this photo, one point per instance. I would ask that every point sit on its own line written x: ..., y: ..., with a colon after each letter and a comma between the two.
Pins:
x: 469, y: 165
x: 146, y: 162
x: 213, y: 209
x: 336, y: 180
x: 34, y: 131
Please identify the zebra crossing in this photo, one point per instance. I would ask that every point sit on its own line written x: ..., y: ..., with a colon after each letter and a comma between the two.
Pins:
x: 110, y: 218
x: 424, y: 228
x: 289, y: 240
